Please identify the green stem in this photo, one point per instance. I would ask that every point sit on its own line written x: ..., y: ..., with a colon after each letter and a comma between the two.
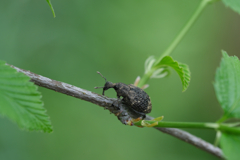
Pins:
x: 177, y: 39
x: 226, y: 128
x: 216, y: 126
x: 145, y: 78
x: 184, y: 30
x: 217, y: 139
x: 222, y: 119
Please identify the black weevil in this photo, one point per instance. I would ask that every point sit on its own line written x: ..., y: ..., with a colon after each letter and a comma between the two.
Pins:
x: 134, y: 97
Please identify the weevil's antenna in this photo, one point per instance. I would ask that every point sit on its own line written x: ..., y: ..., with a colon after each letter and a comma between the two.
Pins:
x: 102, y: 76
x: 97, y: 87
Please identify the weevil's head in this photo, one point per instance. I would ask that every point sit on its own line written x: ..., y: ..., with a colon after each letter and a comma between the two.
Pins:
x: 107, y: 84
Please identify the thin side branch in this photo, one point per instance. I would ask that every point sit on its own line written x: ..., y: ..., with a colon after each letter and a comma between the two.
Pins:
x: 122, y: 113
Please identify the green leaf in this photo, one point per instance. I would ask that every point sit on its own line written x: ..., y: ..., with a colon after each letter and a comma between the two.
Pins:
x: 233, y: 4
x: 227, y: 85
x: 230, y: 145
x: 20, y: 101
x: 182, y: 70
x: 50, y: 4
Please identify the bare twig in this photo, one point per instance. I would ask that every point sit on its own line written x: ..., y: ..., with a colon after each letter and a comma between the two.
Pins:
x: 122, y: 112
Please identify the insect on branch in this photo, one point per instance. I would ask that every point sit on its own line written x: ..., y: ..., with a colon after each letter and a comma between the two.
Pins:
x: 121, y: 111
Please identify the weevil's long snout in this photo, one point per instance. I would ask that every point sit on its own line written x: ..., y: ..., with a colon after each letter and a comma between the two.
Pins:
x: 107, y: 85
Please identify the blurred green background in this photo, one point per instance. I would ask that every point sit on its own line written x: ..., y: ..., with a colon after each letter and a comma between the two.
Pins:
x: 115, y: 38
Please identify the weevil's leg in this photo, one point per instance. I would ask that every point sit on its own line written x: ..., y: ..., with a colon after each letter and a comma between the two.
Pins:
x: 118, y: 100
x: 124, y: 114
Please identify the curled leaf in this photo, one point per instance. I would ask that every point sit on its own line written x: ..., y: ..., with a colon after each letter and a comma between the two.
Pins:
x: 182, y: 69
x: 159, y: 72
x: 158, y: 119
x: 146, y: 123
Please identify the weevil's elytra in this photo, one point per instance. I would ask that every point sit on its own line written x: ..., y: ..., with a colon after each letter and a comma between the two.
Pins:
x: 135, y: 98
